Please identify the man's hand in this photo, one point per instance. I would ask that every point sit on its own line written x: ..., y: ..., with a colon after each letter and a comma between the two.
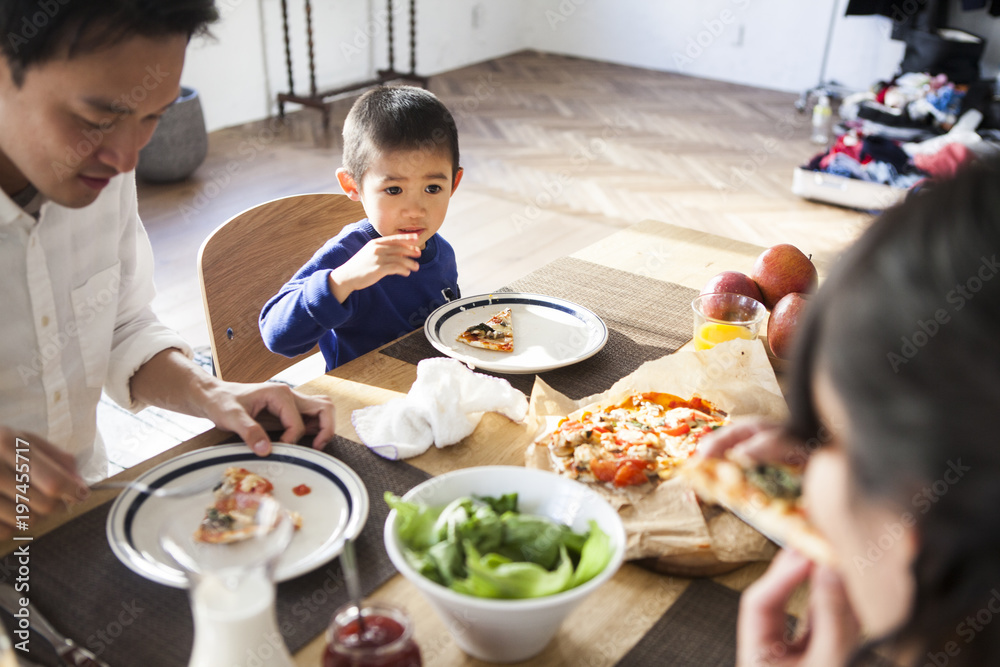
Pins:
x: 389, y: 255
x: 170, y: 380
x: 832, y: 630
x: 46, y: 476
x: 235, y: 407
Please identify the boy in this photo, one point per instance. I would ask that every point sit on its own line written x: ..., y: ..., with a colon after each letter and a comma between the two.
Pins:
x: 81, y: 90
x: 379, y: 278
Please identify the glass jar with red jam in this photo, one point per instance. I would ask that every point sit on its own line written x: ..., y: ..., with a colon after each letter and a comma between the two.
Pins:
x: 382, y: 637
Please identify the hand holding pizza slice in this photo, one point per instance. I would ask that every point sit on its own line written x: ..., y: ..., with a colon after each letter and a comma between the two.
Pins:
x: 767, y: 496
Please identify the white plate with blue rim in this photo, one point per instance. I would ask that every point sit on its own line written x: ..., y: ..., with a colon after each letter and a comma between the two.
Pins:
x: 549, y: 332
x: 334, y: 509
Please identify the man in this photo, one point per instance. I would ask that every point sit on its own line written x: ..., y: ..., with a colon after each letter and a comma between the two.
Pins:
x: 82, y: 85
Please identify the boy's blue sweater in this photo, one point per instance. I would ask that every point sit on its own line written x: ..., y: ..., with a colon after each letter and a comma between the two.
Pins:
x: 305, y: 311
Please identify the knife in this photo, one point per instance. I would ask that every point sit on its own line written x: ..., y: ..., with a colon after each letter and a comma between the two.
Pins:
x: 69, y: 651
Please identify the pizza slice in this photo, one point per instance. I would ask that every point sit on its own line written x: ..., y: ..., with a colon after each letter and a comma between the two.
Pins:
x: 767, y: 496
x: 496, y: 333
x: 231, y: 517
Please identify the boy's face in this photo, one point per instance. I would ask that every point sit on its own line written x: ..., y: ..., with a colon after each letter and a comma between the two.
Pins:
x: 405, y: 192
x: 75, y: 123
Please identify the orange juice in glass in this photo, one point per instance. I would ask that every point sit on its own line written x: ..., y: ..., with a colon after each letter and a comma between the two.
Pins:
x: 723, y: 317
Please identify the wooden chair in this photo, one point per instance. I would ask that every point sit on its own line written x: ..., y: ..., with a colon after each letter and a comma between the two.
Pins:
x: 246, y: 260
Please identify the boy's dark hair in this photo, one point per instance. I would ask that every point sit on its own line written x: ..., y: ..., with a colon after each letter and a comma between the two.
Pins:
x: 906, y: 328
x: 35, y: 31
x: 390, y: 118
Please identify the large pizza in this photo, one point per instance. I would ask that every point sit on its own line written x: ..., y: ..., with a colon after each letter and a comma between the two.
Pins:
x: 640, y: 439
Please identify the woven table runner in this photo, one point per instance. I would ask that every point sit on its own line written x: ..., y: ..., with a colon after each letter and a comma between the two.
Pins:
x: 646, y: 318
x: 699, y: 630
x: 82, y: 588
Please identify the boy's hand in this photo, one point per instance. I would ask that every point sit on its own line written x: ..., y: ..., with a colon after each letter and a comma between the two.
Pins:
x: 389, y: 255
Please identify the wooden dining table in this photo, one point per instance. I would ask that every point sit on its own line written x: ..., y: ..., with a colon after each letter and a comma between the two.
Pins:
x: 617, y: 615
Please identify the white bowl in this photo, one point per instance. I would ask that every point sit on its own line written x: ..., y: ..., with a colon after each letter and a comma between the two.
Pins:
x: 510, y: 630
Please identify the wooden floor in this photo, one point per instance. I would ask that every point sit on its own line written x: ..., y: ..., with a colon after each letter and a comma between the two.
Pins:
x: 558, y: 153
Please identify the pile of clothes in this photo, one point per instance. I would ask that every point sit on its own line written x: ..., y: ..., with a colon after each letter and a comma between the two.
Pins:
x: 879, y: 159
x: 912, y: 106
x: 902, y: 132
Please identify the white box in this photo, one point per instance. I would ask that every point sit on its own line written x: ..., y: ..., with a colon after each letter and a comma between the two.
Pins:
x: 843, y: 191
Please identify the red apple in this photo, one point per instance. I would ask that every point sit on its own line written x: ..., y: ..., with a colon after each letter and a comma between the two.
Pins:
x: 733, y: 282
x: 784, y: 322
x: 781, y: 270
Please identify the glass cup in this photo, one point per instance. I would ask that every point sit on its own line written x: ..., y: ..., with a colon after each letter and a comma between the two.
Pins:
x: 382, y: 637
x: 722, y: 317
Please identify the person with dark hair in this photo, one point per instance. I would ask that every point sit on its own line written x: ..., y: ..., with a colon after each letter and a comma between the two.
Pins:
x: 82, y: 85
x: 892, y: 394
x: 379, y: 278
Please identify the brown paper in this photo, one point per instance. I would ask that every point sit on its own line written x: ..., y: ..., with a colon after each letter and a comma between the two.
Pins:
x: 666, y: 520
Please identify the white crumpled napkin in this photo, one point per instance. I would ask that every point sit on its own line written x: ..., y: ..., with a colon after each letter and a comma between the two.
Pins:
x: 444, y: 405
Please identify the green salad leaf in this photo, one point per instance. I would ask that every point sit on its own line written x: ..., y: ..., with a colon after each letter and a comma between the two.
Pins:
x: 483, y: 546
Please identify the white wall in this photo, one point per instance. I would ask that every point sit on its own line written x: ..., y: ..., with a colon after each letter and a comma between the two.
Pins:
x: 241, y: 71
x: 775, y: 44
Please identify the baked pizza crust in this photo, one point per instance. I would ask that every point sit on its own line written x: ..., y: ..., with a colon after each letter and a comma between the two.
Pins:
x: 725, y: 482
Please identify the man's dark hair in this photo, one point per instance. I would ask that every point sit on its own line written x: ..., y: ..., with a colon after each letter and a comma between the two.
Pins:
x: 391, y: 118
x: 35, y: 31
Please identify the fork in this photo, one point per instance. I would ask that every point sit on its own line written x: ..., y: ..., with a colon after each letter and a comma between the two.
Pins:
x: 70, y: 653
x: 202, y: 483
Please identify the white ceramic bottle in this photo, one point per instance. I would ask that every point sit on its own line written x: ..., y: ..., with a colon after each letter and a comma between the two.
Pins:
x: 232, y: 590
x: 235, y: 623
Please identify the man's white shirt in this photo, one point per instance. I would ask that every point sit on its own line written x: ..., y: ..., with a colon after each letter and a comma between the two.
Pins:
x: 75, y: 317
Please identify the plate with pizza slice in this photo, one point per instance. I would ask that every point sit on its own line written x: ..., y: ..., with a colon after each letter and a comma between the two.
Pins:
x: 327, y: 501
x: 516, y: 332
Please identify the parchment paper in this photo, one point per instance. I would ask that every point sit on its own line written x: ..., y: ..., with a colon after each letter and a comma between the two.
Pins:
x: 667, y: 520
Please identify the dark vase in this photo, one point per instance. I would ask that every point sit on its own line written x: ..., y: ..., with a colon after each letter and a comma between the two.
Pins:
x: 179, y: 144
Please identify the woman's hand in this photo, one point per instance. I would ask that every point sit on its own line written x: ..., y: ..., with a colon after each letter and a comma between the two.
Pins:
x: 756, y: 439
x: 762, y: 637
